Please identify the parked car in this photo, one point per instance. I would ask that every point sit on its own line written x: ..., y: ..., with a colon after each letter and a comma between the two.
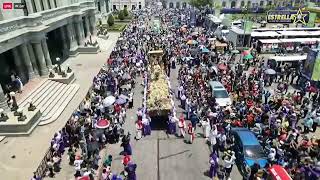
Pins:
x: 220, y: 93
x: 248, y: 150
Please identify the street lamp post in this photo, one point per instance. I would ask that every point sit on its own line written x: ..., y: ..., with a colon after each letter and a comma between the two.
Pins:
x: 59, y: 66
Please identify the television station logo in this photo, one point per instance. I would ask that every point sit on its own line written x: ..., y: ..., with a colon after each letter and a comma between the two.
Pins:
x: 10, y: 5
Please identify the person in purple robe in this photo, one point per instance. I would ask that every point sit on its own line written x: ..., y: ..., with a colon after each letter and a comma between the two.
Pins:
x: 172, y: 125
x: 131, y: 170
x: 213, y: 165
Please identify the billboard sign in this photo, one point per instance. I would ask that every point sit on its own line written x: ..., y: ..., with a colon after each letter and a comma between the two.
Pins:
x: 296, y: 16
x: 309, y: 63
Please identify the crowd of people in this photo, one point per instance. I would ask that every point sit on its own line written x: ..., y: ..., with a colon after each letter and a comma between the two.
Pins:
x: 276, y: 118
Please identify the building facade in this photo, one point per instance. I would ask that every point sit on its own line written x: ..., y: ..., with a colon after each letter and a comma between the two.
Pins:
x: 129, y: 4
x: 103, y: 8
x: 31, y: 39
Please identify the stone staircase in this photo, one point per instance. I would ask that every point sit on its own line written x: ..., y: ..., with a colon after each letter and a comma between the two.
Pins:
x: 52, y: 98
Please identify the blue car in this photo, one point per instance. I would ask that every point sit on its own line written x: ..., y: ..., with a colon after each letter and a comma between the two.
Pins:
x: 248, y: 150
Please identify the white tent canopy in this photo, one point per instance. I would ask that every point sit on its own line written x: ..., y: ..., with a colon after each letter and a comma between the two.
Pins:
x: 289, y: 58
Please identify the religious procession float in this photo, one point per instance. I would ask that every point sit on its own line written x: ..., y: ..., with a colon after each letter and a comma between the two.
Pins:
x: 159, y: 100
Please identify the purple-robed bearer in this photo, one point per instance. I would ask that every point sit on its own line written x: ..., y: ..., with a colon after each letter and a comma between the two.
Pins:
x: 213, y: 165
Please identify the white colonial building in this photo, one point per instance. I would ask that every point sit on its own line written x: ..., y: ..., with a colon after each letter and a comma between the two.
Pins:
x: 257, y: 3
x: 32, y: 38
x: 129, y: 4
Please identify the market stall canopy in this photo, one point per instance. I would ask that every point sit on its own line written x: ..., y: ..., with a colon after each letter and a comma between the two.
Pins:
x: 108, y: 101
x: 102, y: 124
x: 279, y: 173
x: 289, y: 58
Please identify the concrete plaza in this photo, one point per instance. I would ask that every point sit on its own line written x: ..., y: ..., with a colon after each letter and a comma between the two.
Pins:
x: 20, y: 156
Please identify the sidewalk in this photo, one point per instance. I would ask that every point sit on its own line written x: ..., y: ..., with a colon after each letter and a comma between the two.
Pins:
x: 29, y: 151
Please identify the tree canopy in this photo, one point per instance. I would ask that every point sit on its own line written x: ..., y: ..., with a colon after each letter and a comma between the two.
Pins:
x: 201, y: 3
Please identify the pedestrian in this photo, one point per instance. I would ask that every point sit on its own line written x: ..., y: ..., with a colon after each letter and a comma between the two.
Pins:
x: 205, y: 128
x: 191, y: 134
x: 181, y: 126
x: 139, y: 128
x: 213, y: 139
x: 229, y: 161
x: 50, y: 168
x: 213, y: 165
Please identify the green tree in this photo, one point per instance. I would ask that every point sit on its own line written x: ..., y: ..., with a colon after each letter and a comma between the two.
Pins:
x: 125, y: 12
x: 110, y: 20
x: 201, y: 3
x: 121, y: 15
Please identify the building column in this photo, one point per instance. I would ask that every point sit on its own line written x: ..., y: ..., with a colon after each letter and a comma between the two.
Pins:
x: 40, y: 58
x: 64, y: 41
x: 45, y: 4
x: 52, y: 4
x: 46, y: 53
x: 29, y: 7
x: 92, y: 20
x: 71, y: 36
x: 27, y: 61
x: 19, y: 64
x: 38, y: 5
x: 33, y: 60
x: 87, y: 23
x: 79, y: 33
x: 3, y: 100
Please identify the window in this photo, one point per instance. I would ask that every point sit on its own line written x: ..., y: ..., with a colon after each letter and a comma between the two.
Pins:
x: 220, y: 94
x: 242, y: 4
x: 224, y: 4
x: 178, y: 5
x: 125, y: 6
x: 233, y: 4
x: 171, y: 5
x: 34, y: 7
x: 249, y: 4
x: 133, y: 7
x: 261, y: 3
x: 55, y: 3
x: 99, y: 8
x: 114, y: 7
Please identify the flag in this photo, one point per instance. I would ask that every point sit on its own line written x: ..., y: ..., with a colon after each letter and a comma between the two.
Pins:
x: 312, y: 19
x: 248, y: 26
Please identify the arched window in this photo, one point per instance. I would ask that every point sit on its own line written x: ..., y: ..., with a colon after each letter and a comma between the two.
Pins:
x: 249, y: 4
x: 224, y: 4
x: 242, y: 4
x: 171, y: 5
x: 261, y: 3
x: 184, y: 4
x: 233, y: 4
x: 178, y: 5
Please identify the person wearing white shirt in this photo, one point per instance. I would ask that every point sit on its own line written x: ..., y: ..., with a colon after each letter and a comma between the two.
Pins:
x: 213, y: 138
x: 229, y: 161
x: 272, y: 155
x: 206, y: 128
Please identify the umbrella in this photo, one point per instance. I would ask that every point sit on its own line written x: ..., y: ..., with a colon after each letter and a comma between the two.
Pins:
x: 195, y: 34
x: 235, y: 51
x: 270, y: 71
x: 222, y: 67
x: 247, y: 52
x: 126, y: 86
x: 108, y: 101
x: 126, y: 76
x: 102, y: 124
x: 121, y: 101
x: 84, y: 178
x: 248, y: 57
x: 205, y: 50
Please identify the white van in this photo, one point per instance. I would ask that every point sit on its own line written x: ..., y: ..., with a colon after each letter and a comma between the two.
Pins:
x: 220, y: 93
